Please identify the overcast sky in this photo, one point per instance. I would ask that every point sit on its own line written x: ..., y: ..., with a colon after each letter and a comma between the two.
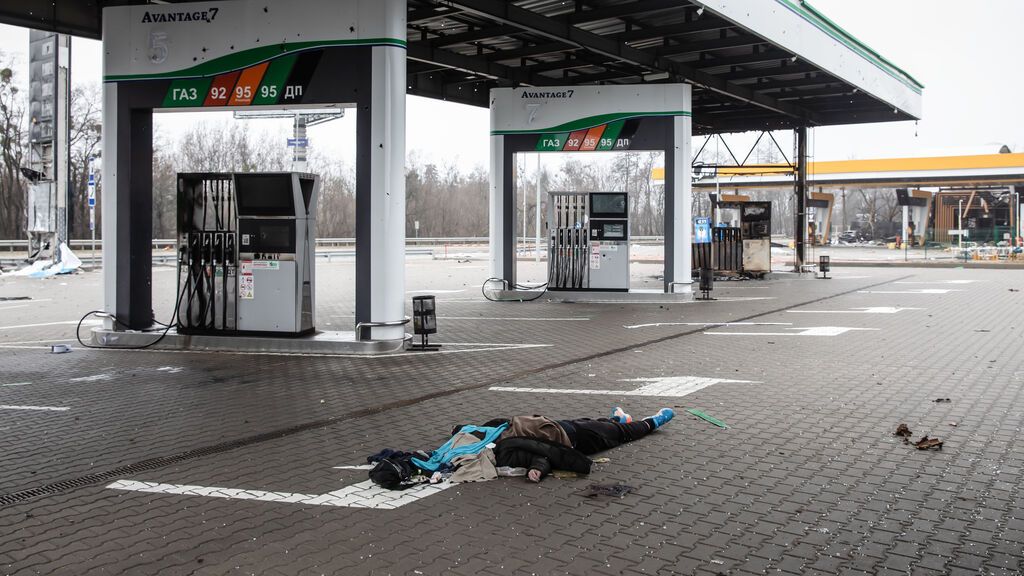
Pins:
x: 965, y: 53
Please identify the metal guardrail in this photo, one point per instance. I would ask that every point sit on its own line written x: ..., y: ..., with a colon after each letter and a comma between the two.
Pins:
x: 169, y: 244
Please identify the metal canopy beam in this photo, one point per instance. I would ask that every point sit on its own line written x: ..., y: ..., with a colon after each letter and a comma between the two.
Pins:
x: 654, y: 32
x: 561, y: 29
x: 620, y: 10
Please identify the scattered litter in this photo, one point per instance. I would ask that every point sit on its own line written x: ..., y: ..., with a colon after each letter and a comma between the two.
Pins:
x: 601, y: 460
x: 707, y: 418
x: 564, y: 474
x: 982, y: 330
x: 614, y: 490
x: 1014, y: 290
x: 717, y: 562
x: 903, y: 432
x: 13, y: 298
x: 59, y: 348
x: 68, y: 264
x: 954, y: 424
x: 942, y: 400
x: 33, y: 268
x: 926, y: 443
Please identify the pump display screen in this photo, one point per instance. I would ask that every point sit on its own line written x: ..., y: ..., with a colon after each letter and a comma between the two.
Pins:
x: 609, y: 205
x: 264, y: 195
x: 614, y: 231
x: 263, y: 235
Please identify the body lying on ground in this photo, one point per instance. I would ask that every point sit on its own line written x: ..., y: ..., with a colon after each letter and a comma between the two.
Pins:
x: 541, y: 444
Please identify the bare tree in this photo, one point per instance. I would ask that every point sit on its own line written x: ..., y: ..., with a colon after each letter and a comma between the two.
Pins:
x: 13, y: 189
x: 86, y: 130
x: 870, y: 208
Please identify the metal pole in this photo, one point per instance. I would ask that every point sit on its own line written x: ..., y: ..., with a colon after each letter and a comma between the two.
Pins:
x: 537, y: 223
x: 92, y: 207
x: 800, y: 221
x: 524, y: 205
x: 906, y: 224
x: 960, y: 224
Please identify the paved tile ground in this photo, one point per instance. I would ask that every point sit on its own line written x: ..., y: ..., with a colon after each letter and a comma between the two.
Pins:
x: 808, y: 479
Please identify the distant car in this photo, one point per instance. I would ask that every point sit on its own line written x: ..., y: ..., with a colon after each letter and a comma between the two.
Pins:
x: 849, y: 237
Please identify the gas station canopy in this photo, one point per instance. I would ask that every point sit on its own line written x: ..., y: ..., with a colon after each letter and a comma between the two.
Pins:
x: 755, y: 65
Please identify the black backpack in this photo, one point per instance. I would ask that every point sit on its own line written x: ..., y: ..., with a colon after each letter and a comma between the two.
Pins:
x: 394, y: 473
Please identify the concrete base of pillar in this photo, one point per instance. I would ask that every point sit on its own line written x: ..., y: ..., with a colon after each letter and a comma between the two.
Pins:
x: 328, y: 343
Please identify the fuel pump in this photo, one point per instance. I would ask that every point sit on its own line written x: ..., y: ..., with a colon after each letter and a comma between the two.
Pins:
x: 588, y: 241
x: 246, y: 252
x: 207, y: 235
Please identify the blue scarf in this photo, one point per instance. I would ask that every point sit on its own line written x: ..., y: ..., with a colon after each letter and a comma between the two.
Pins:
x: 446, y: 453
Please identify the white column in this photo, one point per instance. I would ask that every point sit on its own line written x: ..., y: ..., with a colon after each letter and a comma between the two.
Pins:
x: 496, y: 217
x: 109, y: 204
x: 682, y: 256
x: 387, y: 192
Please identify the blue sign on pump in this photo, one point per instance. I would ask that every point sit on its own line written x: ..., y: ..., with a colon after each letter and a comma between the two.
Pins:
x: 702, y: 230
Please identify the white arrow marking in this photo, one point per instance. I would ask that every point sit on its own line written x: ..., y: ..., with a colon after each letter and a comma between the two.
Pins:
x: 43, y: 408
x: 362, y: 495
x: 812, y: 331
x: 670, y: 386
x: 870, y: 310
x: 919, y: 291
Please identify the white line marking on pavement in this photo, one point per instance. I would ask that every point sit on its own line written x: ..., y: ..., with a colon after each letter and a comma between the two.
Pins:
x: 937, y: 282
x: 434, y: 291
x: 668, y: 386
x: 362, y: 495
x: 16, y: 384
x: 919, y: 291
x: 738, y: 299
x: 13, y: 307
x: 521, y: 319
x: 869, y: 310
x: 516, y: 319
x: 62, y: 323
x: 50, y: 341
x: 812, y: 331
x: 40, y: 408
x: 93, y: 378
x: 709, y: 324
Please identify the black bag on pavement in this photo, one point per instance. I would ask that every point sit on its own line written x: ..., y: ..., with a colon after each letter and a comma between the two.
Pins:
x: 394, y: 473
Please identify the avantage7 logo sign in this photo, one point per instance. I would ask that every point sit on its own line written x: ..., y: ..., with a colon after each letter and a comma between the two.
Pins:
x: 207, y: 15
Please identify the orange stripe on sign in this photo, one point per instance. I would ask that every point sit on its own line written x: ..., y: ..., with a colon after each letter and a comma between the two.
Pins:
x: 247, y: 85
x: 592, y: 139
x: 574, y: 140
x: 220, y: 89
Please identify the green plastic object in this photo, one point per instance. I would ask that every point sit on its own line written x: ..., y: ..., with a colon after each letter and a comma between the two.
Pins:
x: 704, y: 416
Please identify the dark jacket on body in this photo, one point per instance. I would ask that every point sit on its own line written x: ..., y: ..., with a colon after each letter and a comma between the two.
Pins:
x: 534, y: 454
